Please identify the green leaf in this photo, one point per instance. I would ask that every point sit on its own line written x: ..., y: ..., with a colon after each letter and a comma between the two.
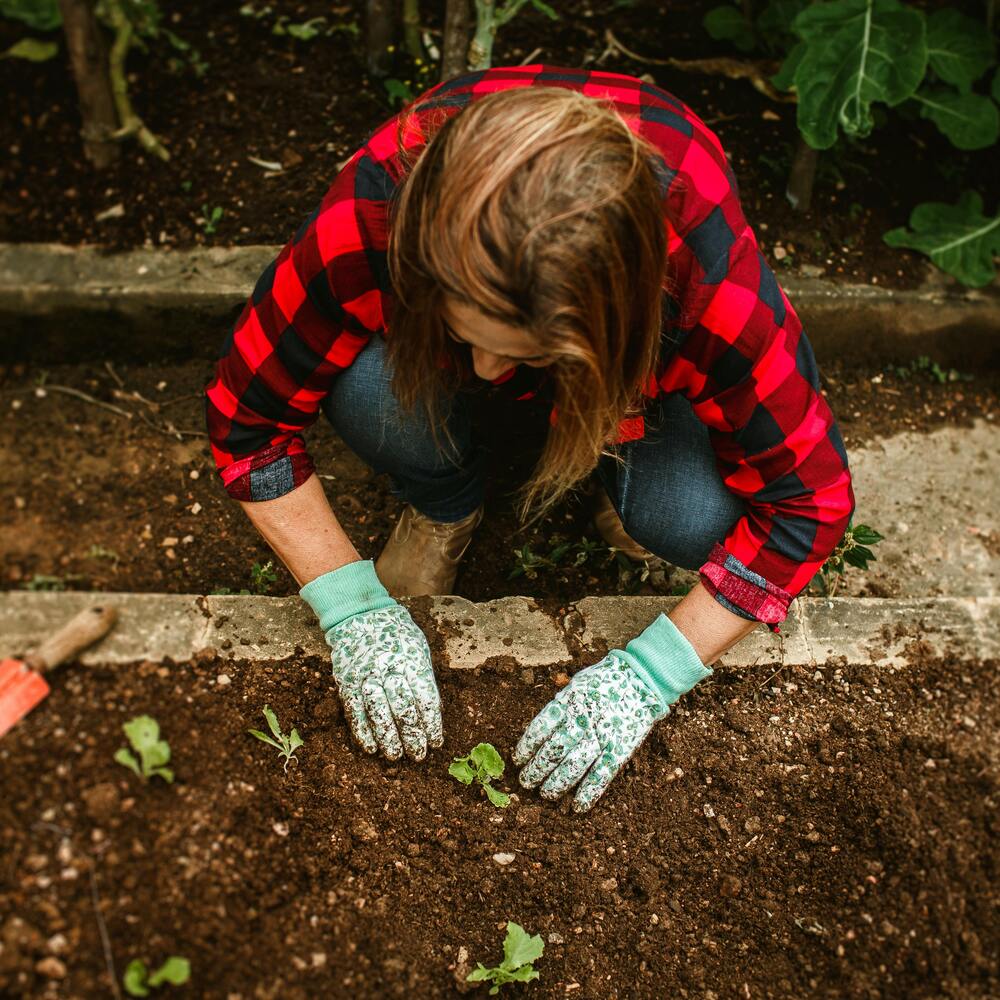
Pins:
x: 42, y: 15
x: 487, y: 760
x: 126, y: 758
x: 525, y: 974
x: 774, y: 26
x: 520, y: 948
x: 272, y: 722
x: 175, y: 970
x: 958, y: 238
x: 134, y: 979
x: 784, y: 79
x: 958, y: 48
x: 865, y: 535
x: 500, y: 799
x: 970, y: 121
x: 163, y: 772
x: 265, y: 739
x: 727, y: 24
x: 858, y: 52
x: 460, y: 769
x: 32, y: 49
x: 855, y: 557
x: 294, y: 740
x: 545, y: 9
x: 479, y: 974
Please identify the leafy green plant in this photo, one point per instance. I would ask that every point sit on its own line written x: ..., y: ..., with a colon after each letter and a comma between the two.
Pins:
x: 483, y: 764
x: 563, y: 553
x: 853, y: 550
x: 143, y: 734
x: 923, y: 365
x: 210, y: 218
x: 263, y: 577
x: 32, y: 50
x: 42, y: 15
x: 285, y: 745
x: 958, y: 238
x: 138, y: 979
x: 520, y: 951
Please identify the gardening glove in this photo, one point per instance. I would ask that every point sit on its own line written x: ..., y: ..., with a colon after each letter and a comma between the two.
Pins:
x: 595, y: 723
x: 381, y: 662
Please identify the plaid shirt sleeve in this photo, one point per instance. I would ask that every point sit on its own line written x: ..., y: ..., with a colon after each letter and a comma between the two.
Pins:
x: 311, y: 313
x: 746, y: 366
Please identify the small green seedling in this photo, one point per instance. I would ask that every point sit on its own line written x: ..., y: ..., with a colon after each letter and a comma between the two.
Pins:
x: 210, y: 218
x: 483, y: 764
x: 520, y: 950
x: 286, y: 745
x: 263, y: 577
x: 138, y: 979
x: 853, y: 550
x: 143, y: 733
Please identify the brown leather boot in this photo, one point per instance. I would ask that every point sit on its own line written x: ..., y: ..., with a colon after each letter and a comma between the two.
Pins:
x: 609, y: 526
x: 422, y: 556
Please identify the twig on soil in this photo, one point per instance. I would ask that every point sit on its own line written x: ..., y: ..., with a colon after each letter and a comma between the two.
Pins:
x: 735, y: 69
x: 70, y: 391
x: 531, y: 55
x: 109, y: 958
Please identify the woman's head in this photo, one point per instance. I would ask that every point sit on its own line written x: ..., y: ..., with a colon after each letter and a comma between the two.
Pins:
x: 529, y: 225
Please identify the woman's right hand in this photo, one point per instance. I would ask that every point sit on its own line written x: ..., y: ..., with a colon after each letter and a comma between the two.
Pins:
x: 382, y: 666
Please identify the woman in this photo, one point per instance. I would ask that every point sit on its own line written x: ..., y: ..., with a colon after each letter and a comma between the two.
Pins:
x: 574, y: 237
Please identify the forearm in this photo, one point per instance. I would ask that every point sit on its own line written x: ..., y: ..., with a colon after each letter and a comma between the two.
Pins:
x: 303, y: 531
x: 707, y: 625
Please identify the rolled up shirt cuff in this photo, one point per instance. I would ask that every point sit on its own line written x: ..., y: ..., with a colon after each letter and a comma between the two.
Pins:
x: 665, y: 660
x: 345, y: 592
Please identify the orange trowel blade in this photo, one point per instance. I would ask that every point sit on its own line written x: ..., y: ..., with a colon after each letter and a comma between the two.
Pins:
x: 21, y: 689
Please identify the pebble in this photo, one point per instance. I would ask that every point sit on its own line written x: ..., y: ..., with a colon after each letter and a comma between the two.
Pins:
x: 753, y: 825
x: 223, y: 680
x: 364, y: 831
x: 281, y: 829
x: 57, y: 944
x: 196, y: 508
x: 561, y: 679
x: 730, y: 886
x: 51, y: 968
x: 503, y: 859
x: 610, y: 885
x: 556, y: 938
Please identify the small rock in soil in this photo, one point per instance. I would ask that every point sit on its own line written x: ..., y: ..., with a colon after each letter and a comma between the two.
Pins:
x: 503, y: 859
x: 753, y: 825
x: 364, y: 831
x: 223, y: 680
x: 730, y: 886
x: 101, y: 801
x: 51, y: 968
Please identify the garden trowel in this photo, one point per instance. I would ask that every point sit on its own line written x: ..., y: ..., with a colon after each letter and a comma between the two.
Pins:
x: 22, y: 685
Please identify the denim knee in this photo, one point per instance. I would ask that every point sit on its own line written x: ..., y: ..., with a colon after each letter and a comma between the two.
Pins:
x: 668, y: 490
x: 443, y: 482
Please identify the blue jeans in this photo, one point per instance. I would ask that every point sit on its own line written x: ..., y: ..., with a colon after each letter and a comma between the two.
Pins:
x: 668, y: 493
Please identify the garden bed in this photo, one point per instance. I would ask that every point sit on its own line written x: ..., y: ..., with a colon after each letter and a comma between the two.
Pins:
x: 309, y: 105
x: 821, y: 832
x: 93, y: 499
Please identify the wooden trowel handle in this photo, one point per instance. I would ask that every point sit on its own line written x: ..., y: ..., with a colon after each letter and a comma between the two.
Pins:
x: 77, y: 634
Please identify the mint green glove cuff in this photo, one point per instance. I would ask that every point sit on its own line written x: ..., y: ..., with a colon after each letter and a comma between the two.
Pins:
x: 665, y: 660
x: 345, y: 592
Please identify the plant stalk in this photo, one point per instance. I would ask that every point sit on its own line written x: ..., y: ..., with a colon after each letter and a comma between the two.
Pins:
x: 411, y: 29
x: 802, y: 176
x: 455, y: 44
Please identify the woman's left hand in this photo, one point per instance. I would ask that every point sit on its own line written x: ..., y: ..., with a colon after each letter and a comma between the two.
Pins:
x: 588, y: 731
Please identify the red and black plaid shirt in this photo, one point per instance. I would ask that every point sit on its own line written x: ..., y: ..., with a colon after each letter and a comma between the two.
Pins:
x: 735, y: 347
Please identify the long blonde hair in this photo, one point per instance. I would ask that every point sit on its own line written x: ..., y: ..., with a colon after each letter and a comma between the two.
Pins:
x: 539, y: 206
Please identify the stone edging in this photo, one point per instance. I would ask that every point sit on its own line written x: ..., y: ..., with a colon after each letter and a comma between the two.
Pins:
x: 838, y: 631
x: 73, y: 299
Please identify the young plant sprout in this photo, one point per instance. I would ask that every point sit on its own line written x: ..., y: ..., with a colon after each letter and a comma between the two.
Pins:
x: 520, y: 950
x: 483, y: 764
x: 285, y: 745
x: 138, y: 979
x: 143, y: 733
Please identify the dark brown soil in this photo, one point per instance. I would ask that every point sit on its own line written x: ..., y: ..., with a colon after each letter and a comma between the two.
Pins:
x: 309, y: 105
x: 807, y: 834
x: 93, y: 499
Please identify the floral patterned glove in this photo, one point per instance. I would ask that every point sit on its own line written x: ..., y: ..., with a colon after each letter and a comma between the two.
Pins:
x: 381, y: 662
x: 595, y: 724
